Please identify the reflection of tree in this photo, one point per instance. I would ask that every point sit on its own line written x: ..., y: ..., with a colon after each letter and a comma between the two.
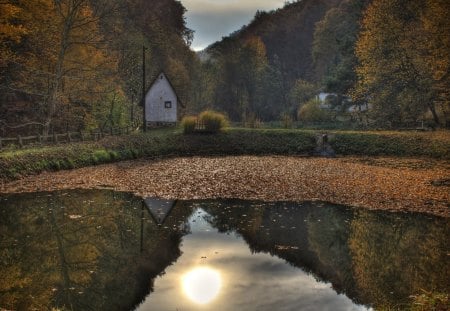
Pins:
x: 307, y: 236
x: 394, y: 257
x: 81, y: 250
x: 373, y: 257
x: 328, y: 232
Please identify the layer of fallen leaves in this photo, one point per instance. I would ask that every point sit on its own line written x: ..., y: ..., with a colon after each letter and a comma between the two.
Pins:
x: 350, y: 181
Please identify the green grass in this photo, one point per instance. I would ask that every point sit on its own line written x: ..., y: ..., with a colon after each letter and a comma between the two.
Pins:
x: 235, y: 141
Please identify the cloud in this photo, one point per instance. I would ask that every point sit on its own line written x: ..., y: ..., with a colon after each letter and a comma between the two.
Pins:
x: 213, y: 6
x: 212, y: 27
x: 213, y: 19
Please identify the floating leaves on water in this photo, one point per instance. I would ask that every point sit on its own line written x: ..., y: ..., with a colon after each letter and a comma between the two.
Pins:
x: 376, y: 183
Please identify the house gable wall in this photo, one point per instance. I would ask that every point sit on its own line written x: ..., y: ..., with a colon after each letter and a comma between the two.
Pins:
x: 157, y: 106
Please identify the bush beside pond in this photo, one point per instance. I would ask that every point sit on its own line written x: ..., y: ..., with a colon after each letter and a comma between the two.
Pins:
x: 213, y: 121
x: 207, y: 122
x: 404, y: 144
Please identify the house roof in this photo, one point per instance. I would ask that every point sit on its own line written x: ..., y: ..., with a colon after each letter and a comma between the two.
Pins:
x: 159, y: 209
x: 170, y: 83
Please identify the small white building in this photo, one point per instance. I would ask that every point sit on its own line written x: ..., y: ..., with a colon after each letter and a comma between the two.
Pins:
x: 161, y: 103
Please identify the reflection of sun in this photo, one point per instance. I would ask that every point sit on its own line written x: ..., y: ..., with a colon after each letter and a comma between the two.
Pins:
x: 202, y: 284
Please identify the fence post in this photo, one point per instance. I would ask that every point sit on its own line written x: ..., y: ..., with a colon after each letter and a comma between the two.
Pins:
x: 55, y: 138
x: 19, y: 138
x: 69, y: 139
x: 39, y: 138
x: 81, y: 136
x: 111, y: 131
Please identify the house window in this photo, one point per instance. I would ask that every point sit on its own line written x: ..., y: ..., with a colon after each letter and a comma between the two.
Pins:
x: 167, y: 104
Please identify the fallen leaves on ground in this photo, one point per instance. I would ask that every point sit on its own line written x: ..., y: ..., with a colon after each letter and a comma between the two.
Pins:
x: 350, y: 181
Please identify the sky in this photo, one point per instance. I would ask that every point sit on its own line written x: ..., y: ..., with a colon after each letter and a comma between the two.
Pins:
x: 213, y: 19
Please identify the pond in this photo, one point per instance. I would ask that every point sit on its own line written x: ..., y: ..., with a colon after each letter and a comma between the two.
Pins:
x: 104, y: 250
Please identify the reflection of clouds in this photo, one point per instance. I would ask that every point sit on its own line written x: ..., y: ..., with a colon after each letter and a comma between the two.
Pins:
x: 250, y: 281
x: 265, y: 266
x: 214, y: 19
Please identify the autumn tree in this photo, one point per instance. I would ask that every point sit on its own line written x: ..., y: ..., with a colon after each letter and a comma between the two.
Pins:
x: 77, y: 64
x: 394, y: 50
x: 11, y: 30
x: 437, y: 43
x: 62, y: 66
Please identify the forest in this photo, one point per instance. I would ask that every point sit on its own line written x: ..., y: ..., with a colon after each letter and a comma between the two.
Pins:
x: 78, y: 64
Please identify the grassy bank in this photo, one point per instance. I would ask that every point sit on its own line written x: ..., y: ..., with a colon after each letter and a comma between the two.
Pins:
x: 156, y: 143
x: 398, y: 144
x: 172, y: 143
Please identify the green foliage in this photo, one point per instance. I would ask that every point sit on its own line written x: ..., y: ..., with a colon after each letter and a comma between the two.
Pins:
x: 188, y: 123
x: 213, y: 121
x: 301, y: 92
x: 256, y: 68
x: 311, y: 112
x: 334, y: 46
x: 253, y: 122
x: 403, y: 144
x: 286, y: 120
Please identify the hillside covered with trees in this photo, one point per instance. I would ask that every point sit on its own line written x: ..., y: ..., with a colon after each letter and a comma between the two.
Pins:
x: 389, y: 55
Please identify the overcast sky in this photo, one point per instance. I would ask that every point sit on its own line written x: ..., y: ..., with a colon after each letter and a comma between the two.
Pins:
x: 213, y: 19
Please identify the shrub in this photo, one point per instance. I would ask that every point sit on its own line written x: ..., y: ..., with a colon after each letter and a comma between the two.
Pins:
x: 213, y: 121
x: 252, y: 121
x: 188, y: 123
x: 311, y: 112
x: 286, y: 120
x: 101, y: 156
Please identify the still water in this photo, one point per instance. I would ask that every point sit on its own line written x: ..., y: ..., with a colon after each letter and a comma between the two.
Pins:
x: 103, y: 250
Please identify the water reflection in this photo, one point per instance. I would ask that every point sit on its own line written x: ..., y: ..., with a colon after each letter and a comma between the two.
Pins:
x: 202, y: 284
x: 101, y: 250
x: 83, y: 250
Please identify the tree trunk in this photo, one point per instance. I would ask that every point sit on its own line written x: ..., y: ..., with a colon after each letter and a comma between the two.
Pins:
x: 433, y: 112
x: 69, y: 18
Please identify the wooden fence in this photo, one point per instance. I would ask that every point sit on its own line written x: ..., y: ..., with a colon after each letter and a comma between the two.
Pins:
x: 200, y: 126
x: 67, y: 137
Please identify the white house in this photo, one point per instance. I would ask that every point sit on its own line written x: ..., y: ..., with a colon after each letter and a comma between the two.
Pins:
x: 161, y: 103
x: 322, y: 98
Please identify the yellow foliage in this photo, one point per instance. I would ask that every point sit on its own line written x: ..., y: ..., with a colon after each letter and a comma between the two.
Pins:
x: 9, y: 30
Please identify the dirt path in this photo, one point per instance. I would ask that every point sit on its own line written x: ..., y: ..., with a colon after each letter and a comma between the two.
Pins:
x: 380, y: 183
